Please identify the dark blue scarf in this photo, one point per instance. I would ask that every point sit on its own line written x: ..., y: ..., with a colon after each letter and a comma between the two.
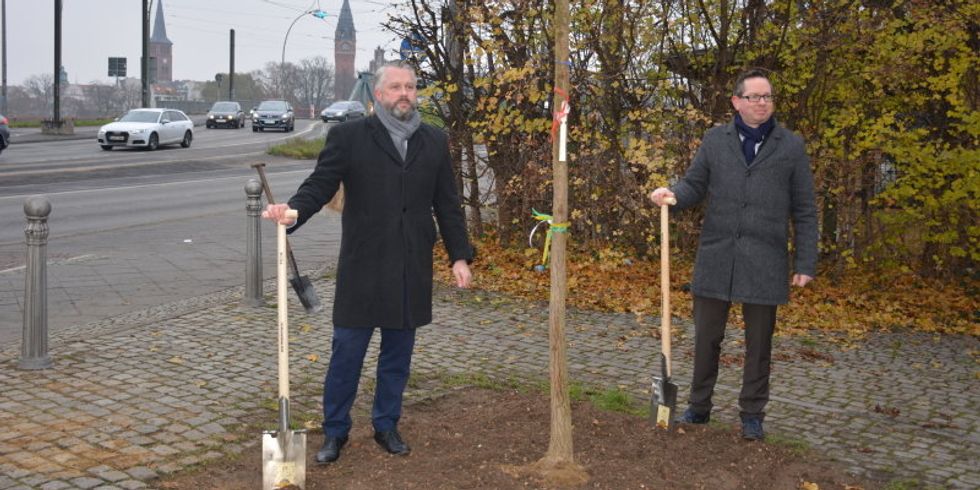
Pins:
x: 752, y: 136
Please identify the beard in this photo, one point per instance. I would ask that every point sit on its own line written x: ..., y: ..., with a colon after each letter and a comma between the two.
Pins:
x: 402, y: 114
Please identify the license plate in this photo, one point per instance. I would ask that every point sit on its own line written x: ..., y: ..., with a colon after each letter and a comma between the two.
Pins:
x: 117, y: 138
x: 270, y: 121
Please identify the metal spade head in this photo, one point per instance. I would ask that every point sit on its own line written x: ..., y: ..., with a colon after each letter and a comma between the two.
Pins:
x: 283, y: 459
x: 664, y: 400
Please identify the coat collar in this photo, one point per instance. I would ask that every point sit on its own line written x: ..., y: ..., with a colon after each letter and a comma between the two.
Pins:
x: 381, y: 136
x: 765, y: 151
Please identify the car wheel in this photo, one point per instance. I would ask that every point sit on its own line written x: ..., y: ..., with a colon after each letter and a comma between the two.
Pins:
x: 186, y: 142
x: 106, y: 147
x: 255, y: 129
x: 154, y: 142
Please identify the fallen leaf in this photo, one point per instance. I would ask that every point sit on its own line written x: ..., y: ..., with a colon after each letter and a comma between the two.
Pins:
x: 313, y: 357
x: 176, y: 360
x: 809, y: 486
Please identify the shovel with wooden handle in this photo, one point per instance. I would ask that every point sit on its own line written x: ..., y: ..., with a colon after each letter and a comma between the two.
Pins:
x: 664, y: 401
x: 283, y: 450
x: 301, y: 284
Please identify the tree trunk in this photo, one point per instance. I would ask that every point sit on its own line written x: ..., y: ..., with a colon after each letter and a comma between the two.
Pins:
x: 559, y: 458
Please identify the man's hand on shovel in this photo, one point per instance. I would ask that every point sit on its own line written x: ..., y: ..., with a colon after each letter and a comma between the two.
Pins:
x: 661, y: 196
x: 277, y: 213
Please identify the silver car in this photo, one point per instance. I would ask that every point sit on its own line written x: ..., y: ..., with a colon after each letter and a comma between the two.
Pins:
x: 147, y: 128
x: 343, y: 110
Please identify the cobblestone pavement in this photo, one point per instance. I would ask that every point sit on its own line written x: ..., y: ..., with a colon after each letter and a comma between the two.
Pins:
x: 146, y: 394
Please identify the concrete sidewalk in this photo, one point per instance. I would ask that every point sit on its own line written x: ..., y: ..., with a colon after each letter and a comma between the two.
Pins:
x: 143, y: 395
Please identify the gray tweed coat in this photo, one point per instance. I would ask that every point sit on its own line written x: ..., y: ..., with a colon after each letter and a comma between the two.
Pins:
x: 743, y: 252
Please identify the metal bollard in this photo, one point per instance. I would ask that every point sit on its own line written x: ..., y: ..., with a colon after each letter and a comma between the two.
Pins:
x: 253, y: 237
x: 34, y: 346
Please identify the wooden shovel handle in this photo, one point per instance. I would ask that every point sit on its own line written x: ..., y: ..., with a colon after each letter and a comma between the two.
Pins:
x: 665, y: 281
x: 260, y: 167
x: 282, y: 306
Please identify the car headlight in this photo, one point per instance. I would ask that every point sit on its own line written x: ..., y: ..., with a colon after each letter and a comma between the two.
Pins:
x: 210, y: 116
x: 137, y: 131
x: 229, y: 117
x: 285, y: 117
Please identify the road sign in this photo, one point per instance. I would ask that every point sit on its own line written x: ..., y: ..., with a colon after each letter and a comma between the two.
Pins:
x: 412, y: 47
x: 117, y: 67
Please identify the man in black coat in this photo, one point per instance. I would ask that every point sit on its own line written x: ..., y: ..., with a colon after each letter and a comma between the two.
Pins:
x: 396, y: 173
x: 756, y: 178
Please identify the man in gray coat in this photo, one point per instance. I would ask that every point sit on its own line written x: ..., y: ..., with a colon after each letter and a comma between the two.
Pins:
x: 755, y: 176
x: 397, y: 174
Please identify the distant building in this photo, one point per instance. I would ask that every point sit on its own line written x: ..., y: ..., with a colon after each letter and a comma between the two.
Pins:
x: 344, y: 49
x: 161, y: 50
x: 378, y: 61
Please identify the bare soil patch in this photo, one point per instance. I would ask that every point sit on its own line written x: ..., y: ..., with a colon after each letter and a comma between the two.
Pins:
x: 479, y: 438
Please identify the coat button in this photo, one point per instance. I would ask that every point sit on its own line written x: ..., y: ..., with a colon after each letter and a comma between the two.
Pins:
x: 404, y: 209
x: 738, y: 235
x: 745, y: 204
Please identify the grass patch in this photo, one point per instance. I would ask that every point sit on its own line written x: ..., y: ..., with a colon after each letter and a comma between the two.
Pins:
x: 617, y: 400
x: 298, y: 148
x: 799, y: 447
x: 478, y: 380
x: 78, y: 123
x: 904, y: 484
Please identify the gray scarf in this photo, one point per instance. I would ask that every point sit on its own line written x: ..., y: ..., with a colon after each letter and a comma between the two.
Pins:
x: 399, y: 130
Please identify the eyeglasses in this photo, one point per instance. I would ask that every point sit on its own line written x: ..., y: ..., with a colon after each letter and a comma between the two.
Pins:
x: 755, y: 99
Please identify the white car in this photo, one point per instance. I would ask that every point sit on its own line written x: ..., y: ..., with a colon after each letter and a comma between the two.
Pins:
x: 148, y: 128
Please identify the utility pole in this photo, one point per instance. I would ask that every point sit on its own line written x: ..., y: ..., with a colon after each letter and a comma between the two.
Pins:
x: 231, y: 66
x: 57, y: 64
x: 3, y: 34
x: 145, y: 62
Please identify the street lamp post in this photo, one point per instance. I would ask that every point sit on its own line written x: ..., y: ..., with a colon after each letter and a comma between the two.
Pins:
x: 319, y: 14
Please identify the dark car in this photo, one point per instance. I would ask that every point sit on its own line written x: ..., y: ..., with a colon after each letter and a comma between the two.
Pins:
x: 343, y: 110
x: 226, y: 114
x: 274, y: 114
x: 4, y: 132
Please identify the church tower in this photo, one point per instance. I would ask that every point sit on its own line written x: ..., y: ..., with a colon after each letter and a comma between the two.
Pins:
x: 344, y: 49
x: 162, y: 49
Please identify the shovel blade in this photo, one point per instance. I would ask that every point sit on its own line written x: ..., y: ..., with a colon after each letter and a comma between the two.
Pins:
x: 307, y: 295
x: 664, y: 403
x: 283, y: 459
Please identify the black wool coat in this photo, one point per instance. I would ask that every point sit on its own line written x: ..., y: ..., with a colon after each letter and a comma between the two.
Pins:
x: 388, y: 231
x: 743, y: 253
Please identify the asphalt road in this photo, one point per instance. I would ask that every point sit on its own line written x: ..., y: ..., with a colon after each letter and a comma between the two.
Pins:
x: 133, y: 229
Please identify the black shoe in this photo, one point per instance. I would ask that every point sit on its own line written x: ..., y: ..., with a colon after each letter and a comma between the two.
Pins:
x: 330, y: 450
x: 392, y: 442
x: 691, y: 417
x: 752, y: 429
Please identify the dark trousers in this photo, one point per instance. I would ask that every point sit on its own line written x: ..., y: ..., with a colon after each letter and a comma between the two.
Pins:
x: 346, y: 360
x: 710, y: 318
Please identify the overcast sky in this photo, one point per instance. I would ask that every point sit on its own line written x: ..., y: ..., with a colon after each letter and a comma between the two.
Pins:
x: 94, y: 30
